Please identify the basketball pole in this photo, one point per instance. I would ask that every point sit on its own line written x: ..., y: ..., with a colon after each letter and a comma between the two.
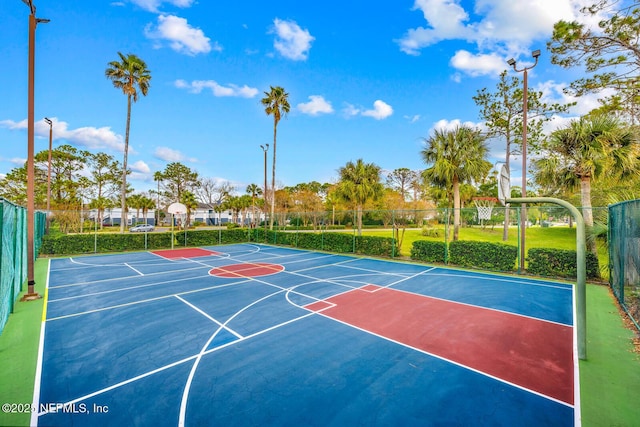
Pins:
x: 581, y: 264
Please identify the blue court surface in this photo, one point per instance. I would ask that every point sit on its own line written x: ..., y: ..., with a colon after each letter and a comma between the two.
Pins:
x: 255, y: 335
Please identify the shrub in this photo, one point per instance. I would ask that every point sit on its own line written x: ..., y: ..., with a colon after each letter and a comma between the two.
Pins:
x: 484, y: 255
x: 429, y: 231
x: 428, y: 251
x: 560, y: 263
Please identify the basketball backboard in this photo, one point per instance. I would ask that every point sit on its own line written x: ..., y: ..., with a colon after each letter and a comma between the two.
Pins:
x: 504, y: 185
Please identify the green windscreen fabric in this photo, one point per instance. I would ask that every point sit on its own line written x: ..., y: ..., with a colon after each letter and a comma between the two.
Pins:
x: 13, y: 253
x: 624, y: 255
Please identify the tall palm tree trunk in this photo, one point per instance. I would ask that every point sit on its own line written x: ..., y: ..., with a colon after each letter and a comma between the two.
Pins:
x: 587, y: 212
x: 359, y: 219
x: 273, y: 176
x: 123, y: 195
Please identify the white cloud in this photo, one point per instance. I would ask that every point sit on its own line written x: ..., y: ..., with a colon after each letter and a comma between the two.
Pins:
x: 170, y: 155
x: 504, y: 26
x: 140, y: 167
x: 350, y: 111
x: 478, y: 65
x: 381, y: 110
x: 197, y: 86
x: 291, y: 41
x: 89, y: 137
x: 182, y: 37
x: 554, y: 93
x: 412, y: 119
x: 18, y: 161
x: 446, y: 20
x: 153, y: 5
x: 316, y: 105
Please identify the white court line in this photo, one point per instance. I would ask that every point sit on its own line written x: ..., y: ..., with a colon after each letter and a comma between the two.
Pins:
x: 137, y: 271
x: 128, y: 288
x: 451, y: 361
x: 179, y: 362
x: 492, y: 278
x: 207, y: 316
x: 187, y: 387
x: 124, y: 277
x: 35, y: 402
x: 142, y: 301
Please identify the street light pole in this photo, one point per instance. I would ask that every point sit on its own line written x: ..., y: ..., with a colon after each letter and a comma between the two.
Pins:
x: 33, y: 22
x: 264, y: 194
x: 50, y: 123
x: 523, y: 210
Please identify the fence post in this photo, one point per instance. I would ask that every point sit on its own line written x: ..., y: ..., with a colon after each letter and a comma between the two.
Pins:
x: 393, y: 233
x: 446, y: 236
x: 519, y: 235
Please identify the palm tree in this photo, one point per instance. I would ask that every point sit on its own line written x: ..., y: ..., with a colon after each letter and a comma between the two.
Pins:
x: 135, y: 202
x: 587, y: 149
x: 456, y: 156
x: 129, y: 75
x: 276, y: 102
x: 147, y: 203
x: 254, y: 191
x: 189, y: 200
x: 359, y: 183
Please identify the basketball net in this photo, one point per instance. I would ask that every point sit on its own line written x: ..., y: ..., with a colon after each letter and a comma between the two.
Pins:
x: 485, y: 207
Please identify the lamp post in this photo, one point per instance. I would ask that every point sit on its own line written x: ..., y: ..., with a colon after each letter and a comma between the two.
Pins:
x: 523, y: 211
x: 33, y: 22
x: 265, y: 149
x: 50, y: 123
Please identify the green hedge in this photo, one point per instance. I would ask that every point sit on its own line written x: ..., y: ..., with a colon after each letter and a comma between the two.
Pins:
x: 428, y: 251
x: 212, y: 237
x: 88, y: 243
x: 336, y: 242
x: 331, y: 242
x: 559, y: 262
x: 484, y: 255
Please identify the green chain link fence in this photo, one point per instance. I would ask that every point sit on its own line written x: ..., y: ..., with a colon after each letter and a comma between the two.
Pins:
x: 624, y: 256
x: 13, y: 253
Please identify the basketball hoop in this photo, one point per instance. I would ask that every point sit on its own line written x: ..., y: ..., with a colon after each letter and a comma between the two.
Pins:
x: 485, y: 207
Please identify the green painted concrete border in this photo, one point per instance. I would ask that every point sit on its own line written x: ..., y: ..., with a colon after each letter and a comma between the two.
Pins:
x: 19, y: 351
x: 609, y: 378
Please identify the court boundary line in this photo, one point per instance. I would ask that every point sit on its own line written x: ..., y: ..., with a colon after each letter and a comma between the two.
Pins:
x: 576, y: 366
x: 35, y: 401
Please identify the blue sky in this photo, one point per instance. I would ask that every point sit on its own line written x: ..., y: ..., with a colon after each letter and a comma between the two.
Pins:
x: 366, y: 79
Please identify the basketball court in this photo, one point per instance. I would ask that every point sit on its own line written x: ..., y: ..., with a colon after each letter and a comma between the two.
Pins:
x: 251, y: 334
